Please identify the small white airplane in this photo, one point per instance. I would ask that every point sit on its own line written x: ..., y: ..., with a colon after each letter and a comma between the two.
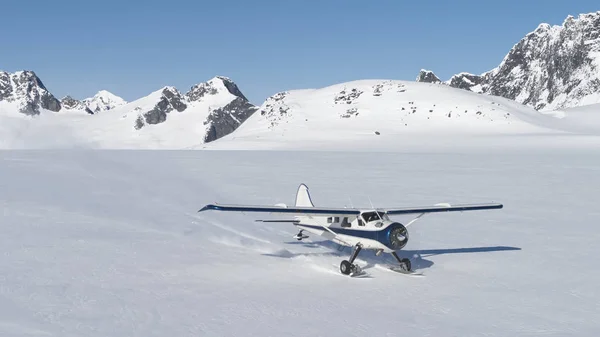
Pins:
x: 369, y: 229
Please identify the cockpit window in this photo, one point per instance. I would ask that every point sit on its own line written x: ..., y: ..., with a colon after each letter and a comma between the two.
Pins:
x: 373, y: 216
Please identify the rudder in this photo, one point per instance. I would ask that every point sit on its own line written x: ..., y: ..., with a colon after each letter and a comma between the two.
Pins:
x: 303, y: 197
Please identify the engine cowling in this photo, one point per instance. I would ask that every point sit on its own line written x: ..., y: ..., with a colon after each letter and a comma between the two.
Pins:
x: 396, y: 236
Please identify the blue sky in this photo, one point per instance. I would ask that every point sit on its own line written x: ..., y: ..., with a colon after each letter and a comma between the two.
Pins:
x: 134, y: 47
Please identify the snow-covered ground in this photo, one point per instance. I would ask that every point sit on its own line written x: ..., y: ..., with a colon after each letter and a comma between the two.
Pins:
x: 583, y: 119
x: 108, y: 243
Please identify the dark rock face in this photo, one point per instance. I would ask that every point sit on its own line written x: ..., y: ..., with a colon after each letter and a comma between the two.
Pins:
x: 552, y: 67
x: 227, y: 119
x: 28, y: 90
x: 212, y: 87
x: 6, y: 88
x: 232, y: 87
x: 70, y: 103
x: 198, y: 91
x: 466, y: 81
x: 170, y: 100
x: 427, y: 76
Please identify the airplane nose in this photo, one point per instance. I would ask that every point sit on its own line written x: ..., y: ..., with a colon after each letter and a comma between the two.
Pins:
x: 397, y: 236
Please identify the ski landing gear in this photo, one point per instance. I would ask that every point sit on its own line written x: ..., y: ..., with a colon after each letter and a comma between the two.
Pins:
x: 404, y: 263
x: 300, y: 236
x: 404, y: 267
x: 348, y: 267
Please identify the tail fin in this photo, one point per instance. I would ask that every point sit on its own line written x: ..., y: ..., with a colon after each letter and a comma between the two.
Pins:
x: 303, y: 197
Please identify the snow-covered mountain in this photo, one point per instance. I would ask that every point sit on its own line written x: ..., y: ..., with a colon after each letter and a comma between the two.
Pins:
x: 25, y: 93
x: 553, y: 67
x: 166, y: 118
x: 70, y: 103
x: 383, y: 112
x: 103, y: 101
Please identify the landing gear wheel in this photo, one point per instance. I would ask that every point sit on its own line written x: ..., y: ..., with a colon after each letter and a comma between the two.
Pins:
x: 405, y: 264
x: 346, y: 267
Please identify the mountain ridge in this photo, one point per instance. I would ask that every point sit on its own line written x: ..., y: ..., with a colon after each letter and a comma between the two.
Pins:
x: 552, y: 67
x: 215, y: 108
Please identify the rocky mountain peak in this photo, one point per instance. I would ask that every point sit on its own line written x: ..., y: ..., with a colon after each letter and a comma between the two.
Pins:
x: 70, y: 103
x: 427, y: 76
x: 27, y: 90
x: 552, y: 67
x: 103, y: 101
x: 214, y: 86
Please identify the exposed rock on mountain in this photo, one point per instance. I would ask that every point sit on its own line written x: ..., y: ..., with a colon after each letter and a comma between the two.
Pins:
x: 27, y: 91
x: 427, y: 76
x: 467, y: 81
x: 170, y: 99
x: 552, y: 67
x: 207, y: 112
x: 225, y: 120
x: 218, y: 84
x: 69, y: 103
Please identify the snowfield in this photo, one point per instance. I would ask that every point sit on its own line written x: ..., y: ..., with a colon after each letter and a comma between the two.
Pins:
x: 108, y: 243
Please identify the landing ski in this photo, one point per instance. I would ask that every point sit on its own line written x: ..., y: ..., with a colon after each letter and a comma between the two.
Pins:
x: 400, y: 270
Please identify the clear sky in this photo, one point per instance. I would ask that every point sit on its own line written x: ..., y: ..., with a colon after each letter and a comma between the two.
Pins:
x: 132, y: 47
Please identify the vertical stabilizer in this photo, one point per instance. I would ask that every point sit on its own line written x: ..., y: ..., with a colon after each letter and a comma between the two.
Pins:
x: 303, y: 197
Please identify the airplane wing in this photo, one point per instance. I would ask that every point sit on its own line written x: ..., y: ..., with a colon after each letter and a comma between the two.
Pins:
x: 350, y: 211
x: 274, y: 209
x: 441, y: 208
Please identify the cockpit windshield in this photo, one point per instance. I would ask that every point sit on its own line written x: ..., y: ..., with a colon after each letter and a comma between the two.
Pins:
x: 374, y: 216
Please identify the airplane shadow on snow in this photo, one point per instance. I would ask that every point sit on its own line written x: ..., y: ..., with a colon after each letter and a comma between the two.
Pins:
x: 417, y: 257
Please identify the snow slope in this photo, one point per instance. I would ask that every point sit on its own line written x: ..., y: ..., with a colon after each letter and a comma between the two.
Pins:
x: 108, y: 243
x: 389, y: 114
x: 584, y: 119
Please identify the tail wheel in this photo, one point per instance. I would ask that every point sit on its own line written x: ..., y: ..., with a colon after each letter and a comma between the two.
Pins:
x: 346, y: 267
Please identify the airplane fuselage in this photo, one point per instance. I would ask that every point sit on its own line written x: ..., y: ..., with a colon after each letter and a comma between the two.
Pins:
x: 373, y: 230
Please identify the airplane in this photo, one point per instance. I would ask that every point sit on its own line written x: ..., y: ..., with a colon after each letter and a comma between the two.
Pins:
x: 362, y: 229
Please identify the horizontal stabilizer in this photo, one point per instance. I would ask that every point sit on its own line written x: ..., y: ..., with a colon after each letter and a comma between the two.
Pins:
x: 282, y: 221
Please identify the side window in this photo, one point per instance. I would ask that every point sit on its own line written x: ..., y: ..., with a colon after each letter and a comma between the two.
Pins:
x: 336, y: 219
x: 329, y: 220
x: 360, y: 222
x: 345, y: 222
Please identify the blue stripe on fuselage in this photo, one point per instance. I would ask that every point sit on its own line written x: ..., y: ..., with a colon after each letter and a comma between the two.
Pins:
x: 382, y: 236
